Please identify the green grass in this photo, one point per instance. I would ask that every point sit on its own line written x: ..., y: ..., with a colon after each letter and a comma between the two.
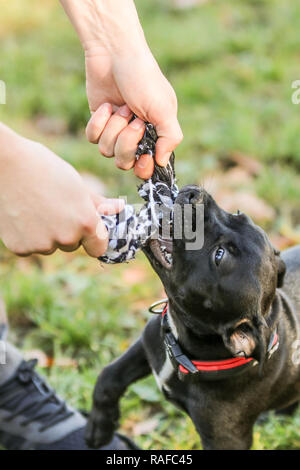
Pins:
x: 232, y: 65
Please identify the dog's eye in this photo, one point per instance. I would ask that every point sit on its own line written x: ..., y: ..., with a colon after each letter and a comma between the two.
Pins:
x: 219, y: 255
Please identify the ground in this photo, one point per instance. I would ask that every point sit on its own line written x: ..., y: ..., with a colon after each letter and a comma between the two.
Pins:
x: 232, y: 65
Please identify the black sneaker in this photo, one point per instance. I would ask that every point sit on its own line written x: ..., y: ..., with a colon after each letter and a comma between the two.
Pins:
x: 33, y: 417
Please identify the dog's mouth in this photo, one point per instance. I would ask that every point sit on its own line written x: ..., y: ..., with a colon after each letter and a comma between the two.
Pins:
x: 161, y: 247
x: 162, y: 251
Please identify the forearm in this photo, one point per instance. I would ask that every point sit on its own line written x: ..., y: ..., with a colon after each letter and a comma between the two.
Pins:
x: 120, y: 69
x: 112, y: 24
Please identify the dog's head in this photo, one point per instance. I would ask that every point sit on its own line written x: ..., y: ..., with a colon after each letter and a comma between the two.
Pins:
x: 226, y: 286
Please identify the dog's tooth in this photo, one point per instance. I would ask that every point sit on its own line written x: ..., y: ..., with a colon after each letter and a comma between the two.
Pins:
x: 168, y: 257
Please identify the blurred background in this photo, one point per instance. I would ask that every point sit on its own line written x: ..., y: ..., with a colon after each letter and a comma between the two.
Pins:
x: 232, y: 65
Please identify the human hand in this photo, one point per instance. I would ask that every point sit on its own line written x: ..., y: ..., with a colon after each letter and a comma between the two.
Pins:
x: 122, y: 78
x: 44, y: 203
x: 138, y: 82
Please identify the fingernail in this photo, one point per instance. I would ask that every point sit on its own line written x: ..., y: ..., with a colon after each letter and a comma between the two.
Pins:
x: 143, y: 161
x: 111, y: 206
x: 124, y: 111
x: 164, y: 160
x: 137, y: 124
x: 104, y: 208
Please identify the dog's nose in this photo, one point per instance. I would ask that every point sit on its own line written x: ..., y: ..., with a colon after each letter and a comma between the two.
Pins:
x: 190, y: 195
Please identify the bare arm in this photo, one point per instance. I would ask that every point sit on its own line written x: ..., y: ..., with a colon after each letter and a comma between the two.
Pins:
x: 123, y: 77
x: 44, y: 203
x: 113, y: 24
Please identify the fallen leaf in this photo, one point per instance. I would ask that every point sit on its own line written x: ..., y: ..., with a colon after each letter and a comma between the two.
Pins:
x: 51, y: 126
x: 133, y: 419
x: 288, y: 231
x: 46, y: 361
x: 233, y: 178
x: 236, y: 177
x: 252, y: 166
x: 145, y: 427
x: 246, y: 202
x: 281, y: 242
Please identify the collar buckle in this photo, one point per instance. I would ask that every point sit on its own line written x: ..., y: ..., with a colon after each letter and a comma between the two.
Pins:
x: 174, y: 351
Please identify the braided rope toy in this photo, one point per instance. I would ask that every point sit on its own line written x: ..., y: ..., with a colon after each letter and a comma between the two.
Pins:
x: 129, y: 230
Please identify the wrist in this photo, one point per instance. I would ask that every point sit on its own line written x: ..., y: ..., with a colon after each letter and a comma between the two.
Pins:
x: 110, y: 25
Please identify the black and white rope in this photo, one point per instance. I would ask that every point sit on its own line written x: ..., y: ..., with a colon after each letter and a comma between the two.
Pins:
x: 130, y: 230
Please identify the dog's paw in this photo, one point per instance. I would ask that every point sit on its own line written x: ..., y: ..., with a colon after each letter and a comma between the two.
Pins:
x: 100, y: 429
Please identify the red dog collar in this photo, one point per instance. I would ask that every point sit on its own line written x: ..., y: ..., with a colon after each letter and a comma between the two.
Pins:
x: 207, y: 370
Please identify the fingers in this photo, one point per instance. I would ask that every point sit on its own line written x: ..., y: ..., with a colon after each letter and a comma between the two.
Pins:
x: 144, y: 167
x: 127, y: 142
x: 110, y: 206
x: 169, y: 136
x: 67, y: 248
x: 96, y: 241
x: 91, y: 233
x: 118, y: 137
x: 50, y: 252
x: 114, y: 126
x: 36, y: 247
x: 107, y: 206
x: 98, y: 122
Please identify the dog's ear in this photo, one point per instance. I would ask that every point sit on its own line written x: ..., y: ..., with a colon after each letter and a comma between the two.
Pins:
x: 247, y: 339
x: 242, y: 343
x: 240, y: 340
x: 281, y: 268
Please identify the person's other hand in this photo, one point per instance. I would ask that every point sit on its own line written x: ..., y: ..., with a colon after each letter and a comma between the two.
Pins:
x: 119, y: 85
x: 45, y: 205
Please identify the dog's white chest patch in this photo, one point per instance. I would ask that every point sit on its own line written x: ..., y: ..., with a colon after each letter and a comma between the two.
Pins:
x: 167, y: 369
x: 164, y: 375
x: 172, y: 325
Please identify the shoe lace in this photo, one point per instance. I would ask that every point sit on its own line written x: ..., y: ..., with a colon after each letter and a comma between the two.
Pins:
x: 25, y: 384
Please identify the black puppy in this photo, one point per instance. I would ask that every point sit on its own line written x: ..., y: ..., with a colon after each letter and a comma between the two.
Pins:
x: 225, y: 349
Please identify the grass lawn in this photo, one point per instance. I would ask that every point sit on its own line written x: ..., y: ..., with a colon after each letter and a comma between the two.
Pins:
x: 232, y: 65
